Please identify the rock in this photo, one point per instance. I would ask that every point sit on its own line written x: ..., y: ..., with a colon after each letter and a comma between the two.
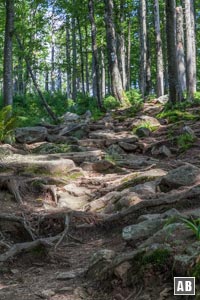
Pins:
x: 130, y: 140
x: 72, y: 202
x: 163, y: 151
x: 70, y: 274
x: 168, y: 214
x: 145, y: 119
x: 128, y: 147
x: 143, y: 132
x: 182, y: 264
x: 101, y: 203
x: 129, y: 200
x: 121, y: 271
x: 28, y: 135
x: 69, y: 117
x: 75, y: 190
x: 183, y: 176
x: 147, y: 188
x: 142, y: 230
x: 188, y: 130
x: 47, y: 294
x: 102, y: 165
x: 99, y: 261
x: 163, y: 99
x: 116, y: 150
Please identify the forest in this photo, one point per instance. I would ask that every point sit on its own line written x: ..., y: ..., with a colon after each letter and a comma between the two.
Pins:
x: 99, y: 149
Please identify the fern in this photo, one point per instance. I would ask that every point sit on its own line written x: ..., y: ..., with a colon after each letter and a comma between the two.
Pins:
x: 7, y: 123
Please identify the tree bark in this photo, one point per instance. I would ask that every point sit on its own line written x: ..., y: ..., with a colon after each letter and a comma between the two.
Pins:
x: 159, y: 52
x: 143, y: 47
x: 86, y: 59
x: 81, y: 56
x: 95, y: 52
x: 116, y: 81
x: 103, y: 74
x: 171, y: 50
x: 74, y: 66
x: 180, y: 51
x: 8, y: 57
x: 191, y: 52
x: 68, y: 57
x: 128, y: 63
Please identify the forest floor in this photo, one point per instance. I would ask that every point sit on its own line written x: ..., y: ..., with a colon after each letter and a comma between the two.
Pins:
x: 114, y: 179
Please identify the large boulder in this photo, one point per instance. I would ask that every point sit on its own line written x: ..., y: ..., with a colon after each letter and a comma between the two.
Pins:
x: 145, y: 119
x: 29, y: 135
x: 142, y: 230
x: 69, y: 117
x: 183, y: 176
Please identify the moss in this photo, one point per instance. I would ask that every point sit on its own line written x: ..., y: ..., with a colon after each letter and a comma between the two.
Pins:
x: 177, y: 115
x: 52, y: 148
x: 195, y: 271
x: 159, y: 257
x: 147, y: 125
x: 127, y: 182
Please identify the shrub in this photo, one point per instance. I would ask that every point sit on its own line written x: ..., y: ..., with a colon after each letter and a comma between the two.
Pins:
x: 7, y: 123
x: 185, y: 141
x: 110, y: 103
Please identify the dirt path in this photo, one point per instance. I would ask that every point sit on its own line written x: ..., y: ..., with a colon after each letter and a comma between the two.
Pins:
x: 112, y: 171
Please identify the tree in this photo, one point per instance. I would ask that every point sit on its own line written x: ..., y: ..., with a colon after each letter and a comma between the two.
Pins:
x: 159, y: 52
x: 116, y: 80
x: 95, y: 52
x: 8, y: 55
x: 190, y: 49
x: 143, y: 47
x: 174, y: 91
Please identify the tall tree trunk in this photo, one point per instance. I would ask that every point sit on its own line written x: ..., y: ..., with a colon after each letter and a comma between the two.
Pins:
x: 159, y: 52
x: 68, y: 58
x: 47, y: 81
x: 190, y: 38
x: 143, y: 42
x: 121, y: 46
x: 86, y: 59
x: 103, y: 74
x: 116, y: 81
x: 174, y: 90
x: 74, y: 64
x: 53, y: 50
x: 193, y: 31
x: 180, y: 51
x: 7, y: 65
x: 128, y: 63
x: 81, y: 55
x: 95, y: 52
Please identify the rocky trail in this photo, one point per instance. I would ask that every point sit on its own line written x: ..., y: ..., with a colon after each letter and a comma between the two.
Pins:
x: 93, y: 210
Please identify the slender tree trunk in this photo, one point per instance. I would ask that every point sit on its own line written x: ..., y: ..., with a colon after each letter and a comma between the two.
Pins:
x: 180, y: 51
x: 128, y: 63
x: 68, y: 58
x: 86, y: 59
x: 116, y: 81
x: 159, y: 52
x: 143, y: 42
x: 193, y: 32
x: 53, y: 51
x: 103, y: 74
x: 47, y: 81
x: 7, y: 65
x: 190, y: 53
x: 81, y: 55
x: 74, y: 67
x: 174, y: 90
x: 59, y: 80
x: 95, y: 52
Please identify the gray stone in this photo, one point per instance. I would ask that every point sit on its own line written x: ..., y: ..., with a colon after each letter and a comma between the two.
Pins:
x: 102, y: 165
x: 163, y: 99
x: 145, y: 119
x: 28, y: 135
x: 183, y: 176
x: 128, y: 147
x: 163, y: 150
x: 143, y: 132
x: 142, y: 230
x: 68, y: 117
x: 188, y: 130
x: 147, y: 188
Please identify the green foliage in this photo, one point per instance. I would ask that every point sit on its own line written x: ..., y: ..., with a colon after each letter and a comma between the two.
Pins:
x: 145, y: 124
x: 194, y: 225
x: 195, y: 272
x: 7, y: 124
x: 185, y: 141
x: 135, y: 99
x: 158, y: 257
x: 175, y: 115
x: 110, y: 103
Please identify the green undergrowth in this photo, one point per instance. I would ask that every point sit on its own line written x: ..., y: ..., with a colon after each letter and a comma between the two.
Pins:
x: 145, y: 124
x: 185, y: 141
